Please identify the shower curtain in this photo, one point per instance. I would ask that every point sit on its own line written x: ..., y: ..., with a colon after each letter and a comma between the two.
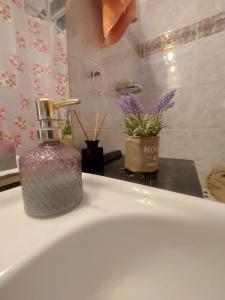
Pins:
x: 33, y: 64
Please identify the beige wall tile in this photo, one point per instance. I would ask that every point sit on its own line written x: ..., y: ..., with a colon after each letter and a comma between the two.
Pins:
x: 210, y: 59
x: 197, y: 122
x: 159, y: 16
x: 207, y: 8
x: 204, y: 146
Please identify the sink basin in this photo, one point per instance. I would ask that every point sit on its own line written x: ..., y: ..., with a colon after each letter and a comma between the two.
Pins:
x: 125, y: 241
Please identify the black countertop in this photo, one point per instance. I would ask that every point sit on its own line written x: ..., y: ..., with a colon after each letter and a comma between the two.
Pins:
x: 177, y: 175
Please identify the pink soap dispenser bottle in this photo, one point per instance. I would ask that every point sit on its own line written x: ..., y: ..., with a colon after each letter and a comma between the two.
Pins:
x: 51, y: 176
x: 7, y: 154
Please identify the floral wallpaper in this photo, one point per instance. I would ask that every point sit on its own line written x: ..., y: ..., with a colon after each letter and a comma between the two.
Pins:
x: 33, y: 64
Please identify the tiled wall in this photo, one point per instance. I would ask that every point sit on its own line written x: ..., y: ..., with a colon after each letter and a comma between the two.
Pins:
x: 196, y: 69
x: 159, y: 16
x: 85, y: 55
x: 181, y: 36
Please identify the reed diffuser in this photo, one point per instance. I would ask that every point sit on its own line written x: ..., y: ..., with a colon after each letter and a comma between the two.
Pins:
x: 92, y: 156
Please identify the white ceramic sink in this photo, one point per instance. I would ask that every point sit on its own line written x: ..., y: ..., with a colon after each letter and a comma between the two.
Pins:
x: 124, y: 242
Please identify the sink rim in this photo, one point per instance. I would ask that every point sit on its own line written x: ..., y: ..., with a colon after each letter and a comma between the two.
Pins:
x: 140, y: 200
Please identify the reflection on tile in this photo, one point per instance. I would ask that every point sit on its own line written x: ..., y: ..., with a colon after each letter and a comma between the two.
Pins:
x: 168, y: 40
x: 171, y: 69
x: 155, y: 46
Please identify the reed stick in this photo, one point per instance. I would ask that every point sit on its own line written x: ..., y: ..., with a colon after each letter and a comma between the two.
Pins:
x: 100, y: 127
x: 81, y: 125
x: 96, y: 127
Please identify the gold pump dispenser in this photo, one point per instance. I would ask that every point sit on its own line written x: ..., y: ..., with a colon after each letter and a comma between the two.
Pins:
x: 47, y: 114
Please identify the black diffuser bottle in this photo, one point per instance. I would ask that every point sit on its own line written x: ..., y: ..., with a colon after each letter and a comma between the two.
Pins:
x: 92, y: 157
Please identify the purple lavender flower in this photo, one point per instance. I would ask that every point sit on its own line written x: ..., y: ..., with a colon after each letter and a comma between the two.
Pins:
x: 164, y: 104
x: 130, y: 105
x: 65, y: 112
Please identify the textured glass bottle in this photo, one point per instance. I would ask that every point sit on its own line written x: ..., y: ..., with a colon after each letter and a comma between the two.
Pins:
x: 51, y: 175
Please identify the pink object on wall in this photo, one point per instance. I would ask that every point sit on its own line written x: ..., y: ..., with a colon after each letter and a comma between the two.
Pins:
x: 117, y: 15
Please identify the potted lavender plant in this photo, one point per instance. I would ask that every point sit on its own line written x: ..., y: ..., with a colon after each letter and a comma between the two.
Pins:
x: 142, y: 128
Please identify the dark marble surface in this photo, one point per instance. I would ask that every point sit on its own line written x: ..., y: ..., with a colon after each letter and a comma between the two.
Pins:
x: 9, y: 186
x: 178, y: 175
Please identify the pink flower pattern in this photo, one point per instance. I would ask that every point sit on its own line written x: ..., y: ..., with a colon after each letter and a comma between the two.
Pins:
x: 61, y: 56
x: 48, y: 70
x: 36, y: 83
x: 7, y: 79
x: 20, y: 123
x: 33, y: 26
x: 33, y: 135
x: 60, y: 90
x: 41, y: 46
x: 48, y: 79
x: 2, y: 113
x: 20, y: 41
x: 16, y: 62
x: 24, y: 102
x: 5, y: 11
x: 37, y: 70
x: 15, y: 138
x: 62, y: 81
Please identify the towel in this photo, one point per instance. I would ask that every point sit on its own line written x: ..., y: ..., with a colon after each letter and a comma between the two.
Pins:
x: 216, y: 183
x: 117, y: 15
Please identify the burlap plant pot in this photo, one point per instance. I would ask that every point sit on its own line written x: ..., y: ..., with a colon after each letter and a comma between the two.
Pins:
x: 142, y: 153
x: 67, y: 140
